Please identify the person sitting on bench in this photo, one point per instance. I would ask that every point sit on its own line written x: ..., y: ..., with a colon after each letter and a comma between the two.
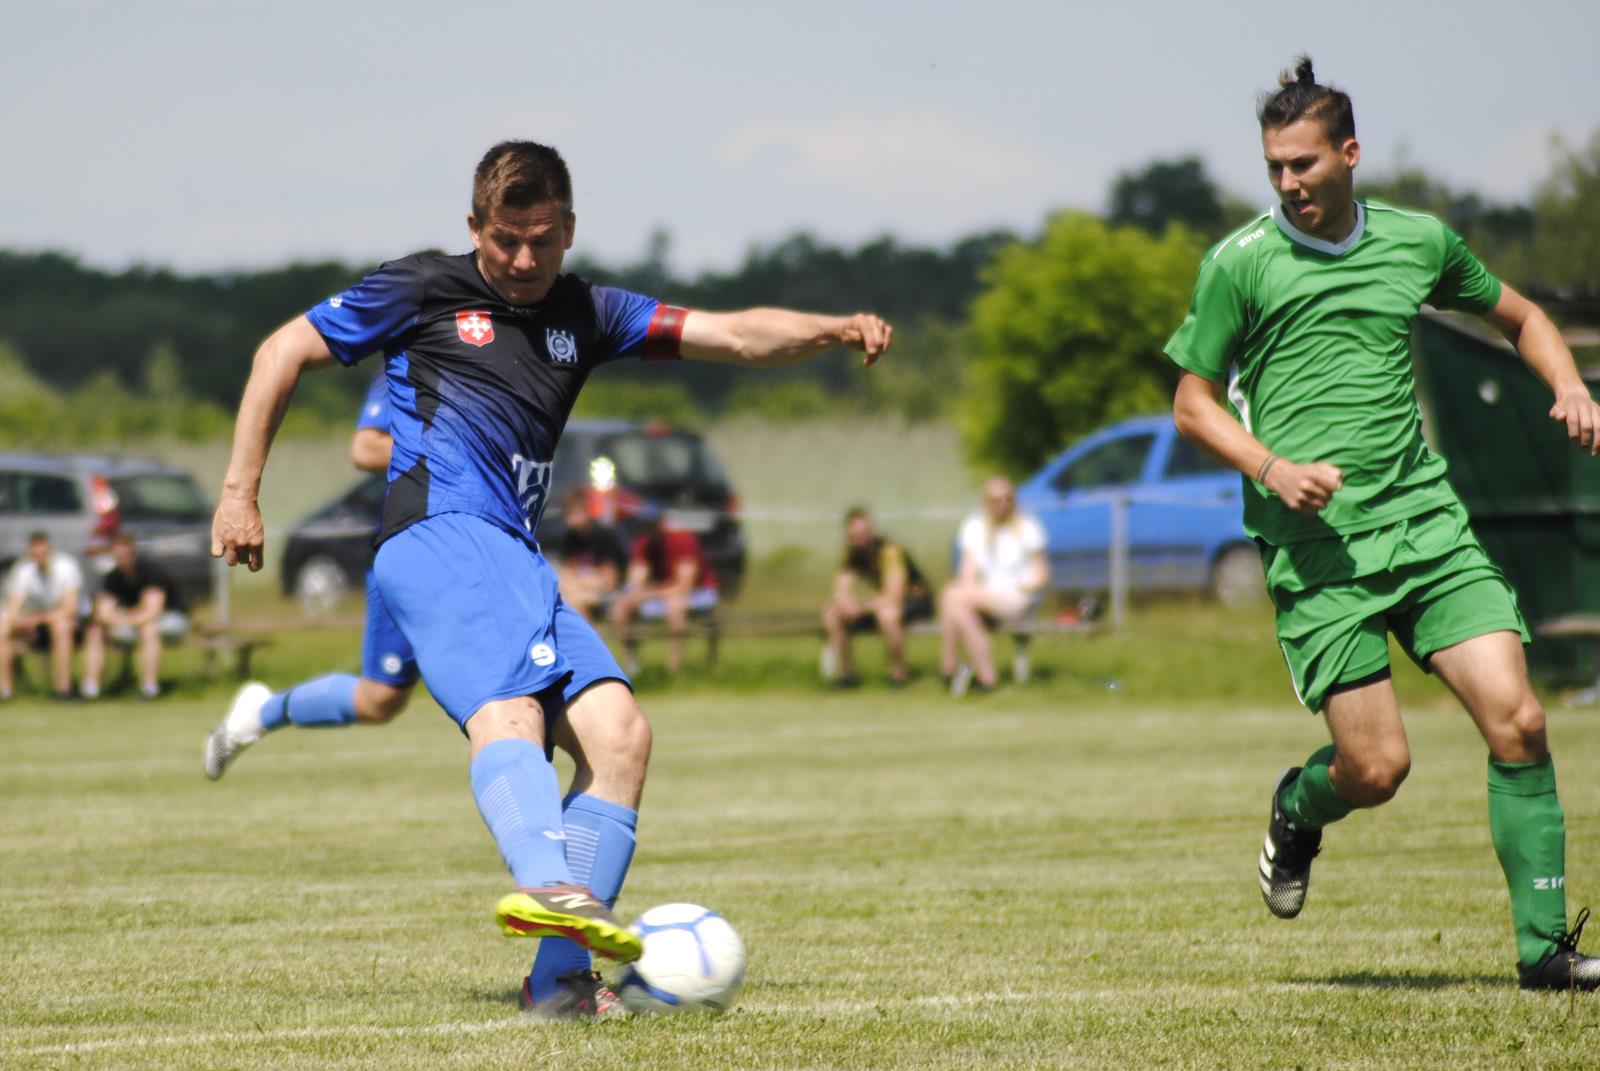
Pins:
x: 669, y: 578
x: 1001, y: 572
x: 137, y: 604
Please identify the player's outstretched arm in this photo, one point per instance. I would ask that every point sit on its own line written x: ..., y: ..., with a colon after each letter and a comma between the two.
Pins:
x: 779, y: 336
x: 236, y: 530
x: 1197, y: 411
x: 1539, y: 343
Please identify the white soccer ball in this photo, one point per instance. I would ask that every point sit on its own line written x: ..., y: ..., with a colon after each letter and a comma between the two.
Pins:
x: 692, y: 959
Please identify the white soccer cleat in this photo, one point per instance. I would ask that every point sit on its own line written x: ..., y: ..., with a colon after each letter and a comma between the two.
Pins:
x: 241, y: 728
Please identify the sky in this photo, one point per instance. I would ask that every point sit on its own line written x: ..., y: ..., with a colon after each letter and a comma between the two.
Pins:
x: 206, y: 136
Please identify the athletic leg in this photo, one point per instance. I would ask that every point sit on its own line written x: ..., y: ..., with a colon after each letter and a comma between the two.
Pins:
x: 609, y: 740
x: 891, y: 624
x: 1526, y: 822
x: 836, y: 620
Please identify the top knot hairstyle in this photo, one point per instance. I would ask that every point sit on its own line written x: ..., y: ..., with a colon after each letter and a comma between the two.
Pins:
x: 519, y: 174
x: 1300, y: 97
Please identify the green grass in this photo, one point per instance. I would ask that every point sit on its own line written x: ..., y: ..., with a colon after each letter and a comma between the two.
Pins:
x: 1054, y: 876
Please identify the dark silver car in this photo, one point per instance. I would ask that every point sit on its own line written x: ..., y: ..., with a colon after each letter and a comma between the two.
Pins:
x: 81, y: 500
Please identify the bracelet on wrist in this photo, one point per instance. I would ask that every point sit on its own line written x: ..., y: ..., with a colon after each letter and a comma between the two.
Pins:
x: 1266, y: 467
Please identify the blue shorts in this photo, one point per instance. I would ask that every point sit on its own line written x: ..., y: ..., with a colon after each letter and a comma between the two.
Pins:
x: 386, y: 654
x: 481, y: 610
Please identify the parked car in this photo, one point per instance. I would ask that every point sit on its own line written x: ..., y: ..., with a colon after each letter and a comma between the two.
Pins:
x: 1185, y: 528
x: 619, y: 465
x: 81, y: 500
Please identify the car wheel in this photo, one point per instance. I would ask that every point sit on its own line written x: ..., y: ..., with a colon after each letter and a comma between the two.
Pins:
x: 1236, y: 577
x: 319, y: 586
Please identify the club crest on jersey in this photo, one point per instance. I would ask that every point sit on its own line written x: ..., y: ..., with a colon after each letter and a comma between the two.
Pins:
x: 475, y: 327
x: 561, y: 346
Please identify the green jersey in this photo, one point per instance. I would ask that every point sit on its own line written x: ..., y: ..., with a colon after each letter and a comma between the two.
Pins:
x: 1318, y: 337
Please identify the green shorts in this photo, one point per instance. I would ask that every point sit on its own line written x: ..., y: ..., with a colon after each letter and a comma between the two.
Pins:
x: 1427, y: 579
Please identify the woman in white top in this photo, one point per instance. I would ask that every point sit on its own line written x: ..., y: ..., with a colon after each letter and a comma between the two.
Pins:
x: 1000, y: 575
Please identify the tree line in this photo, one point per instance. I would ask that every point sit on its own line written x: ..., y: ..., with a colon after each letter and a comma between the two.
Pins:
x: 1027, y: 340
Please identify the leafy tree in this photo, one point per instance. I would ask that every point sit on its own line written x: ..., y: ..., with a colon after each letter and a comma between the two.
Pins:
x: 1567, y: 234
x: 1068, y: 335
x: 1167, y: 192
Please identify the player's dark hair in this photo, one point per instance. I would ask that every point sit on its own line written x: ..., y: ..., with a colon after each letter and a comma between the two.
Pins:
x: 853, y: 512
x: 1300, y: 97
x: 40, y: 536
x: 519, y: 174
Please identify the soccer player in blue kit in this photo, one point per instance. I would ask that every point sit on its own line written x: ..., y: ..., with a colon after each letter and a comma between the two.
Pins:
x: 486, y: 352
x: 388, y: 667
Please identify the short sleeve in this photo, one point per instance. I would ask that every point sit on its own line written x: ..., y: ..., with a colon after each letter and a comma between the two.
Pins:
x: 1207, y: 339
x: 375, y: 406
x: 71, y: 572
x: 372, y: 315
x: 1464, y: 283
x: 624, y: 320
x: 1031, y: 533
x: 970, y: 538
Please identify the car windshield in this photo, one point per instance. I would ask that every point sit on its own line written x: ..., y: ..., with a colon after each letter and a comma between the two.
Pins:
x: 159, y: 496
x: 1120, y: 461
x: 648, y: 461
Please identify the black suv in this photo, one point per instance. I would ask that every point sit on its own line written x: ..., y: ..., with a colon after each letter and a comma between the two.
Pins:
x: 621, y: 467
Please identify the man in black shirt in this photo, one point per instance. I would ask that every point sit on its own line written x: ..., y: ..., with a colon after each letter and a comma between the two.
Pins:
x: 896, y: 595
x: 136, y: 605
x: 590, y: 558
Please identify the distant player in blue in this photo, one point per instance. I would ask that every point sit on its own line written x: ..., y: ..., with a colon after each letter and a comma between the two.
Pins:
x: 485, y: 354
x: 388, y: 668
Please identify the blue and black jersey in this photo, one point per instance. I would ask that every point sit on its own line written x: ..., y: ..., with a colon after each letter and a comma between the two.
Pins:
x: 479, y: 390
x: 375, y: 406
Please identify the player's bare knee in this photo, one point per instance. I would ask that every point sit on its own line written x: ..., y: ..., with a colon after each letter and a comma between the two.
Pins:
x: 1370, y: 780
x: 1520, y: 736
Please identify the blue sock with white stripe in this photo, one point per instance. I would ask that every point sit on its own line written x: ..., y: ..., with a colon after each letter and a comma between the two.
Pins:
x: 520, y: 801
x: 600, y: 840
x: 315, y: 704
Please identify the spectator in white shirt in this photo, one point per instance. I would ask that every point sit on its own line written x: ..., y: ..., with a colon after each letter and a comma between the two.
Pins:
x: 1002, y: 570
x: 43, y: 594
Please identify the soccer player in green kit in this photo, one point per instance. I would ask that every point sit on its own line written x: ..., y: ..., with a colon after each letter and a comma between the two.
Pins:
x: 1311, y: 306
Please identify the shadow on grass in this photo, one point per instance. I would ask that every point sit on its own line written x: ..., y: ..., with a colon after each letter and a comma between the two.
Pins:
x: 1374, y: 980
x: 501, y: 995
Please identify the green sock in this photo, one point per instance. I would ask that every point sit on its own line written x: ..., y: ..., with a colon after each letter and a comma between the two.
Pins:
x: 1530, y: 837
x: 1310, y: 801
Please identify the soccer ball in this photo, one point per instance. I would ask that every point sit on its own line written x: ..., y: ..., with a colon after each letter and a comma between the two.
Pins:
x: 692, y: 959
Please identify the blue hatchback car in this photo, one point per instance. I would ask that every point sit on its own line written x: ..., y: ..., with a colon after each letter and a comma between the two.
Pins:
x: 1185, y: 526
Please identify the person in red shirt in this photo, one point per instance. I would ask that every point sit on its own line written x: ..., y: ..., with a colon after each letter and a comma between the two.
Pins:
x: 669, y: 578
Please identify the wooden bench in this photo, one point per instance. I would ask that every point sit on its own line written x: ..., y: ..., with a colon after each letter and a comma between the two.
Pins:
x: 236, y: 643
x: 1578, y: 627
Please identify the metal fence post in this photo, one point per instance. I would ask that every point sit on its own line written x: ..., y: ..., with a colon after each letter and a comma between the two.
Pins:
x: 1119, y: 560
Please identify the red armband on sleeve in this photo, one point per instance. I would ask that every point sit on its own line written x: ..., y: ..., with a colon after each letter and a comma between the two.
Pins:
x: 661, y: 338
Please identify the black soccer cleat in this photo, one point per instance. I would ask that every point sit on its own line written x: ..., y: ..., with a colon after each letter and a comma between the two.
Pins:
x: 1284, y: 869
x: 582, y: 995
x: 1565, y: 967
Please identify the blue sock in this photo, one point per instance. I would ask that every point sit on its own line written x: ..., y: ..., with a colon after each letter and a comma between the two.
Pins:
x: 316, y: 704
x: 520, y: 801
x: 600, y: 839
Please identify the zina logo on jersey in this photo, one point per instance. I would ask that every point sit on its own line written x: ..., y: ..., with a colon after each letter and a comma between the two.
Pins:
x: 475, y: 327
x: 561, y: 346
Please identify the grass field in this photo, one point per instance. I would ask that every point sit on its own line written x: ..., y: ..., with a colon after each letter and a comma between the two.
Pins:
x: 1055, y: 876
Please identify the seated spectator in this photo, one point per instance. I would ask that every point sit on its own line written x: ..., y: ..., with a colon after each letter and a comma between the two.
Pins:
x: 589, y: 556
x: 42, y: 603
x: 669, y: 578
x: 137, y: 604
x: 895, y: 595
x: 1000, y: 574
